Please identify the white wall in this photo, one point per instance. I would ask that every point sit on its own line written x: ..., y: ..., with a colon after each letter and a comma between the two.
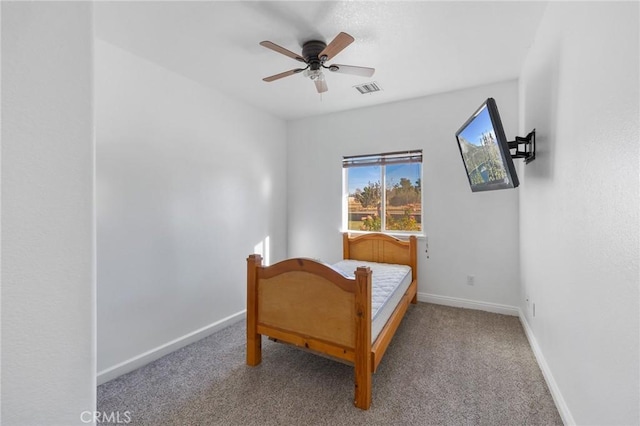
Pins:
x: 579, y: 208
x: 189, y: 181
x: 469, y: 233
x: 48, y: 284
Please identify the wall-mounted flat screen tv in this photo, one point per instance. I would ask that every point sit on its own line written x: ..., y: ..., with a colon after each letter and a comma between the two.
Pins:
x: 485, y: 150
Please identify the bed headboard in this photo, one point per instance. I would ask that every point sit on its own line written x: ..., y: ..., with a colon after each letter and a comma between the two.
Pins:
x: 381, y: 248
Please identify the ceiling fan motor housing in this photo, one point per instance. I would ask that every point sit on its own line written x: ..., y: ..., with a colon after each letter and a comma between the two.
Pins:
x: 310, y: 52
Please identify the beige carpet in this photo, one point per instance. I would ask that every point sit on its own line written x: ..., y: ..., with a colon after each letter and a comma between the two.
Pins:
x: 445, y: 366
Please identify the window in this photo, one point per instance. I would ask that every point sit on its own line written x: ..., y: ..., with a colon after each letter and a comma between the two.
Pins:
x: 383, y: 192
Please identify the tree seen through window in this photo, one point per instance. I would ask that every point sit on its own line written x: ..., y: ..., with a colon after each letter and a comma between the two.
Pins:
x: 385, y: 197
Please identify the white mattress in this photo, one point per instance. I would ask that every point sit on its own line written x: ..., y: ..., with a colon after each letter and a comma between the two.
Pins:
x: 389, y: 283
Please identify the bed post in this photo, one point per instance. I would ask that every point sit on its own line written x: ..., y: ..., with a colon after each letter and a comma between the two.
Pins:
x: 345, y: 245
x: 363, y: 339
x: 254, y: 340
x: 413, y: 250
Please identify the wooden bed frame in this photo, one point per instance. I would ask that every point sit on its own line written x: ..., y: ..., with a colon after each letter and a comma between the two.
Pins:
x: 310, y: 305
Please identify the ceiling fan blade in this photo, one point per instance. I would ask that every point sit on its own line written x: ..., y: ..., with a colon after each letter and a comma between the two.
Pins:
x: 351, y: 69
x: 280, y: 49
x: 336, y: 46
x: 321, y: 85
x: 283, y: 74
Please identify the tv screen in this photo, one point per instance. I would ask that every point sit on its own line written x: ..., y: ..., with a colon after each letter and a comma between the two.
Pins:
x: 485, y: 150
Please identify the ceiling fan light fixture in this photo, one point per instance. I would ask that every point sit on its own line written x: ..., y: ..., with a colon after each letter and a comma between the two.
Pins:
x: 321, y: 84
x: 313, y: 74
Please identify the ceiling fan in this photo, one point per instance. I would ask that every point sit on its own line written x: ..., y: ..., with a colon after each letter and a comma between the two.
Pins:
x: 315, y: 53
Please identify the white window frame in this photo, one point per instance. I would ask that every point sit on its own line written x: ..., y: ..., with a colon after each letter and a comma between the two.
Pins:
x: 384, y: 159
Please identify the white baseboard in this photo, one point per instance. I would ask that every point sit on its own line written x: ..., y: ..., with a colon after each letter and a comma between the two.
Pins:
x: 561, y: 405
x: 156, y: 353
x: 469, y: 304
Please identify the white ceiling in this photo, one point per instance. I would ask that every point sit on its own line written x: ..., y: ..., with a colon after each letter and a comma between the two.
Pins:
x: 418, y: 48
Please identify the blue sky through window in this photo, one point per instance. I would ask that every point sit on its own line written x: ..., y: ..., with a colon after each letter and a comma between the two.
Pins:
x: 359, y: 177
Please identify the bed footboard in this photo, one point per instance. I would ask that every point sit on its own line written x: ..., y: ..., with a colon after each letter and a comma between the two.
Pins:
x: 311, y: 305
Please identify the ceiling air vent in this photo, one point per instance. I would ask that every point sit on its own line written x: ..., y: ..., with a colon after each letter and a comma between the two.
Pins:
x: 368, y: 88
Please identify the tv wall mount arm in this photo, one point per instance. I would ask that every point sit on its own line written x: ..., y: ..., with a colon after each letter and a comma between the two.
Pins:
x: 525, y: 147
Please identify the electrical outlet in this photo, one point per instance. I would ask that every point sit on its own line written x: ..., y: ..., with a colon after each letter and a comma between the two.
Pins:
x: 426, y: 249
x: 471, y: 280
